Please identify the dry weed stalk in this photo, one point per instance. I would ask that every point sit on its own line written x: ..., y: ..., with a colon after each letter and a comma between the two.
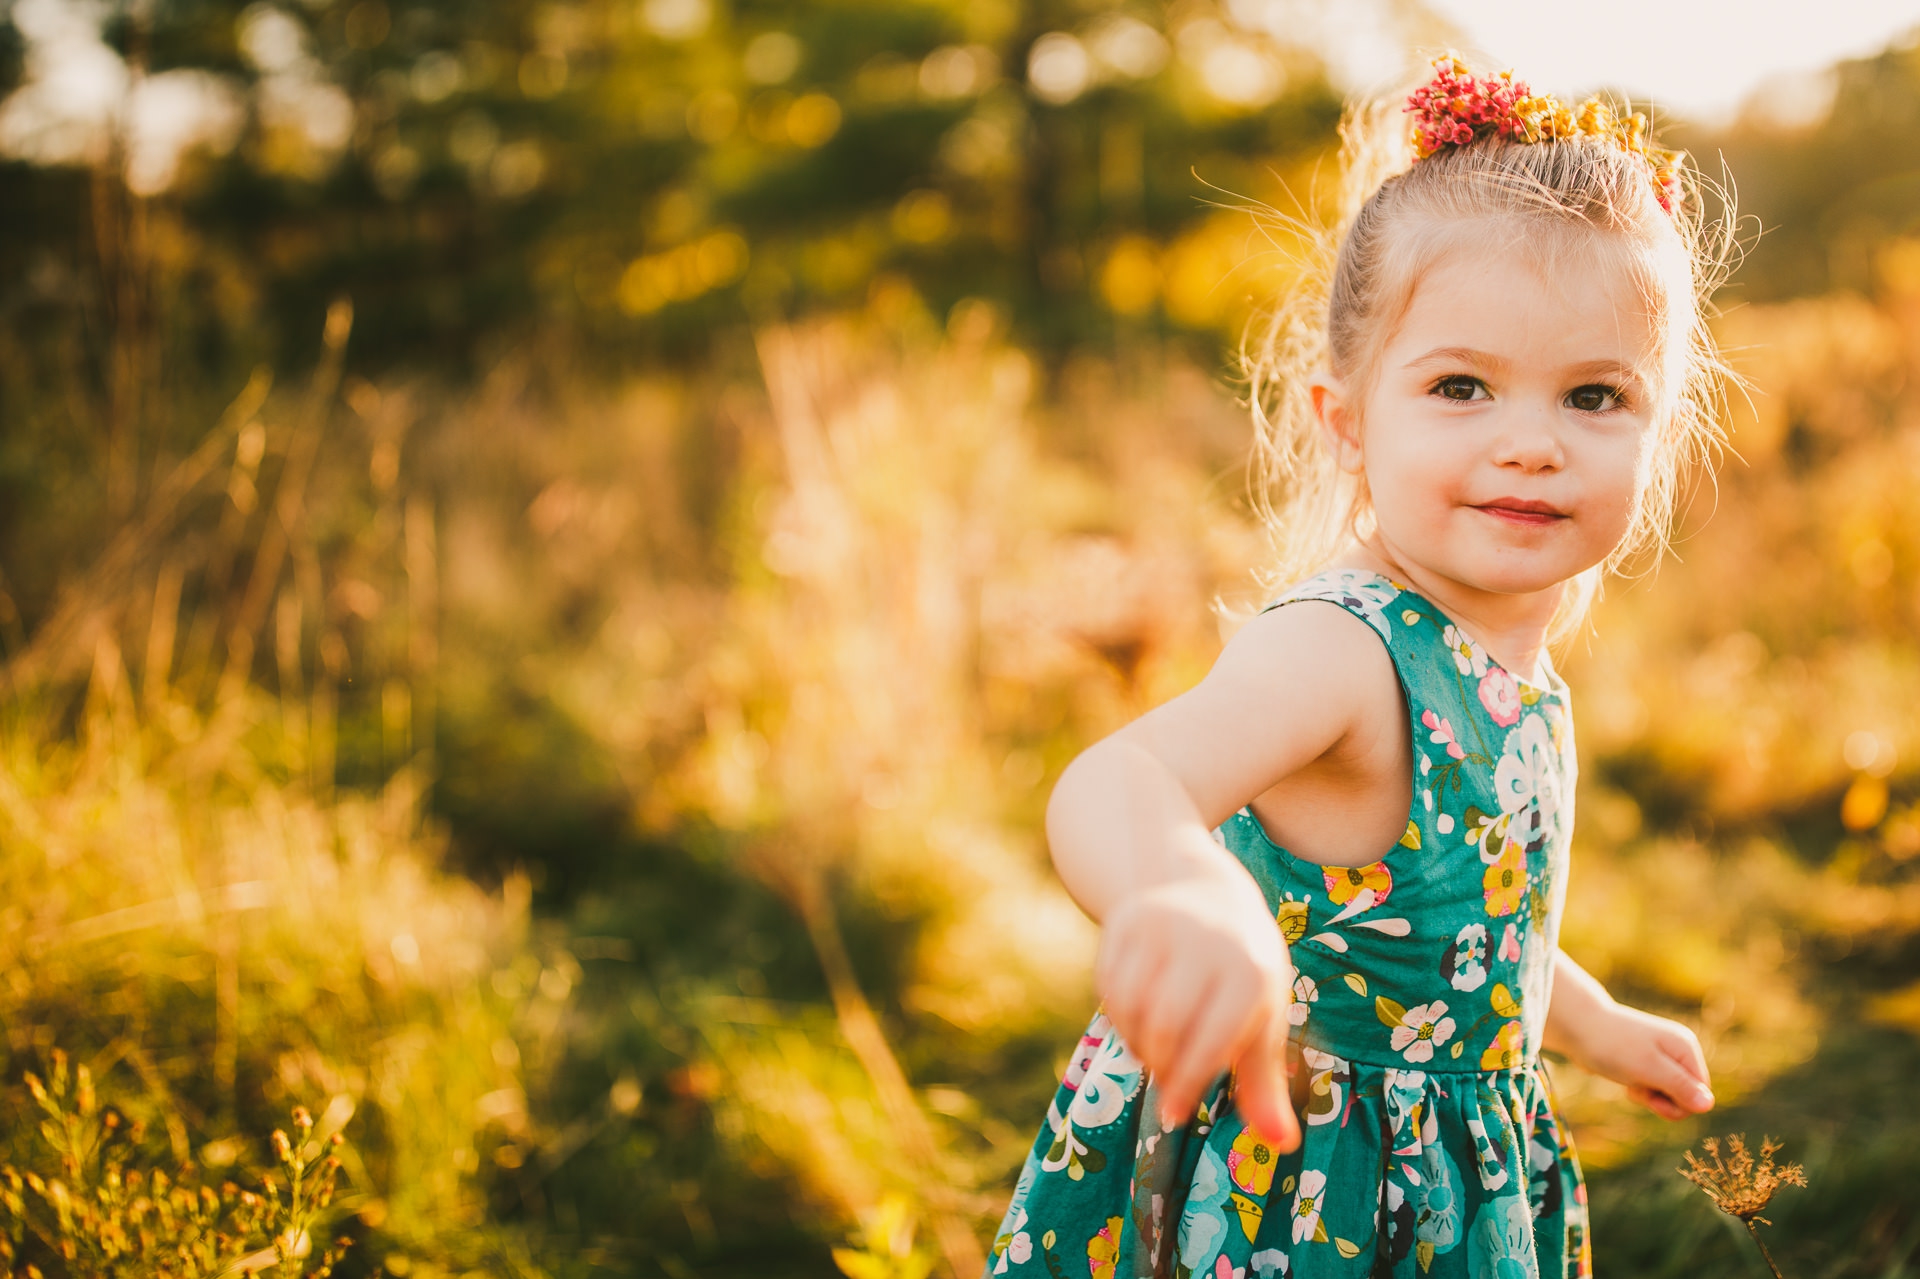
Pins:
x: 1742, y: 1186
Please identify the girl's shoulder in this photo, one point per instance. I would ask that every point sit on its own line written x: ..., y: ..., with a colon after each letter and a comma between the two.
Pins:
x: 1416, y: 633
x: 1364, y: 593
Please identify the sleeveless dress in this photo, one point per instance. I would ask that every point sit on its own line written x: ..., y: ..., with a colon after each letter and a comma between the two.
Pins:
x: 1431, y: 1145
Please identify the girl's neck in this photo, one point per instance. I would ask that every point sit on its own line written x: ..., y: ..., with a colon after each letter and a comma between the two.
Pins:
x: 1512, y: 628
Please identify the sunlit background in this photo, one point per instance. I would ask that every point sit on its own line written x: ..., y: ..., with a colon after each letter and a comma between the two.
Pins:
x: 551, y: 552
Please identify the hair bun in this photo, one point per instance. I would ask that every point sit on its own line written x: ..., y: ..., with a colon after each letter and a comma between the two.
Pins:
x: 1456, y: 107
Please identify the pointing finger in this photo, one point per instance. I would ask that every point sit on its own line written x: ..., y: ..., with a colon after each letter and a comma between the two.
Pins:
x: 1211, y: 1042
x: 1261, y: 1087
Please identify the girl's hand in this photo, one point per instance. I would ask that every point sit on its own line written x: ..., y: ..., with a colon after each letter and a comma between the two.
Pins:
x: 1196, y: 979
x: 1657, y: 1059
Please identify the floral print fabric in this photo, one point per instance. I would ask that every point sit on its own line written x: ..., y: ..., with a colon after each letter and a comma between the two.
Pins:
x: 1431, y: 1146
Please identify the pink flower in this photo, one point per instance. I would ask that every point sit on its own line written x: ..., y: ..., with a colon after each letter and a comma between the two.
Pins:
x: 1510, y: 944
x: 1422, y: 1028
x: 1077, y: 1068
x: 1500, y: 694
x: 1442, y: 734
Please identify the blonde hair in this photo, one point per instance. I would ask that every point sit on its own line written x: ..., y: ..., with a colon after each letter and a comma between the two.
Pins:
x: 1392, y: 219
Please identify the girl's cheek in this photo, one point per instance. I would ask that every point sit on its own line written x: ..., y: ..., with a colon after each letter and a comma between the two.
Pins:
x: 1622, y: 480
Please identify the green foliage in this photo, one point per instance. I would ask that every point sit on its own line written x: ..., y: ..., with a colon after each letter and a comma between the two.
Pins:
x: 1827, y: 192
x: 1858, y: 1216
x: 594, y: 731
x: 641, y: 174
x: 97, y: 1209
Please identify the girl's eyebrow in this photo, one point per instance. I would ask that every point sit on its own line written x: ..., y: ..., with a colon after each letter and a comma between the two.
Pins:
x: 1458, y: 355
x: 1467, y: 355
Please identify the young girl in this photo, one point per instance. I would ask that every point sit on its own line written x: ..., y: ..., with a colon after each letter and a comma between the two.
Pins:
x: 1331, y: 875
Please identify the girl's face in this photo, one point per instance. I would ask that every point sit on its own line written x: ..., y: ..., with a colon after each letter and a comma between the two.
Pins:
x: 1505, y: 438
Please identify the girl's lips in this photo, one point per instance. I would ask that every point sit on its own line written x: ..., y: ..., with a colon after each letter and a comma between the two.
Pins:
x: 1527, y: 514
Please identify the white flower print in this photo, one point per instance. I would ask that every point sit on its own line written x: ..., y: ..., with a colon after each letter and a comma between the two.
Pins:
x: 1203, y: 1223
x: 1467, y: 655
x: 1097, y: 1033
x: 1019, y: 1244
x: 1422, y: 1027
x: 1111, y: 1075
x: 1465, y: 963
x: 1014, y: 1245
x: 1405, y: 1091
x: 1269, y: 1262
x: 1527, y: 778
x: 1306, y: 1205
x: 1327, y: 1080
x: 1367, y: 593
x: 1304, y: 992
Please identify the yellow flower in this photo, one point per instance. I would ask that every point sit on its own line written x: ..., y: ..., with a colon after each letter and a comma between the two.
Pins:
x: 1103, y: 1250
x: 1506, y: 1050
x: 1506, y: 882
x: 1345, y: 882
x: 1251, y: 1162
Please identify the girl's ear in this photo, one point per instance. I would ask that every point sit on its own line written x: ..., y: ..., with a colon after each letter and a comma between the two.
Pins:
x: 1339, y: 423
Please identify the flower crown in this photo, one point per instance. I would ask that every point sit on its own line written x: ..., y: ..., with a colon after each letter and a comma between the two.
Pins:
x: 1455, y: 107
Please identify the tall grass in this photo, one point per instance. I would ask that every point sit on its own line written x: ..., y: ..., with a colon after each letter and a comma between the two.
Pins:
x: 735, y: 696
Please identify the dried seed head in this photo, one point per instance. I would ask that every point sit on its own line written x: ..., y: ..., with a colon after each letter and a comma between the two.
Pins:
x: 1738, y: 1184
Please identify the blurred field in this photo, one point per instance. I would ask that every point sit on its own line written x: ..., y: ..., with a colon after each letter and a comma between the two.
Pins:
x: 583, y: 723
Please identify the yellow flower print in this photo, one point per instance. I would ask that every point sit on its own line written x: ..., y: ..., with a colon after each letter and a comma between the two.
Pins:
x: 1251, y: 1162
x: 1506, y: 882
x: 1103, y: 1250
x: 1506, y: 1050
x: 1345, y: 882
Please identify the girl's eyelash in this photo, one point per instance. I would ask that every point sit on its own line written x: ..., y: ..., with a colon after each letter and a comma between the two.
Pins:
x: 1439, y: 386
x: 1618, y: 396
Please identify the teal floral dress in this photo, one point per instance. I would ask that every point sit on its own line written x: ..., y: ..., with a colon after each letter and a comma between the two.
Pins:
x: 1431, y: 1146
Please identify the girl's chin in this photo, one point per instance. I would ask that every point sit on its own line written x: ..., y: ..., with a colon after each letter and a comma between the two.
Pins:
x: 1506, y: 573
x: 1495, y: 565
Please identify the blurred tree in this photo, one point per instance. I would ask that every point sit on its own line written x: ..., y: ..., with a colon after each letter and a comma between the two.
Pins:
x: 638, y: 171
x: 1830, y: 166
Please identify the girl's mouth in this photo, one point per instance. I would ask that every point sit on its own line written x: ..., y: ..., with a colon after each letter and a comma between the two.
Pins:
x: 1523, y: 512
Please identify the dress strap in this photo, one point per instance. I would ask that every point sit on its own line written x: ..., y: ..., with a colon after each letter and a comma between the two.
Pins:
x: 1367, y: 595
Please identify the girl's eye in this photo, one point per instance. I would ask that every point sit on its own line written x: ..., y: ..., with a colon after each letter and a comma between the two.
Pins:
x: 1593, y: 399
x: 1461, y: 387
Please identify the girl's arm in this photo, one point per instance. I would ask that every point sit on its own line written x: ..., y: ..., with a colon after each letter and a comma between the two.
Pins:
x: 1658, y: 1060
x: 1191, y: 966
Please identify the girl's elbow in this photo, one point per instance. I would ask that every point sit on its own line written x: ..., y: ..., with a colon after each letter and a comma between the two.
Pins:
x: 1074, y: 791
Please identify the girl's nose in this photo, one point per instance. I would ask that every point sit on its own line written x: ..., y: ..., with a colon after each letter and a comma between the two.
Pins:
x: 1530, y: 443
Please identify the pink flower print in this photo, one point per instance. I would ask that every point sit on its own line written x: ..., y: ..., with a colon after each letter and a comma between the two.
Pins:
x: 1422, y: 1028
x: 1305, y: 991
x: 1510, y: 944
x: 1500, y: 694
x: 1090, y: 1044
x: 1442, y: 734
